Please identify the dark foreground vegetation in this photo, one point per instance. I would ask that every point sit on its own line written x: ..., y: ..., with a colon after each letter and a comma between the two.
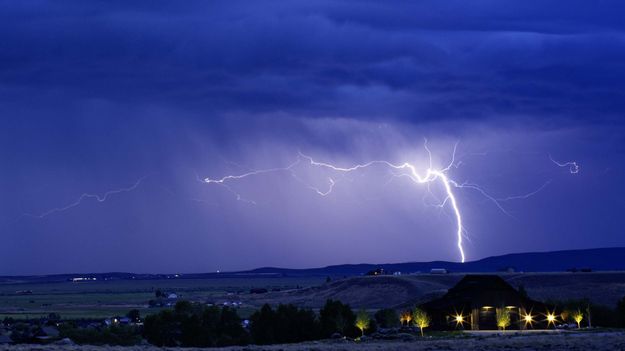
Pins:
x: 196, y: 325
x: 190, y: 324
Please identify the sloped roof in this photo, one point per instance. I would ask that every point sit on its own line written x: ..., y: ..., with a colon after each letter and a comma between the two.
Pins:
x: 480, y: 290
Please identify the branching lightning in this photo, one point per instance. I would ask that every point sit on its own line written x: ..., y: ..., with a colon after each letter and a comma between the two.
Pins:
x: 97, y: 197
x: 572, y: 165
x: 406, y: 169
x: 409, y: 170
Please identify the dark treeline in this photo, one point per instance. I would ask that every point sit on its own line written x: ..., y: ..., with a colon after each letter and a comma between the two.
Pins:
x: 196, y: 325
x: 290, y: 324
x: 600, y: 315
x: 122, y: 335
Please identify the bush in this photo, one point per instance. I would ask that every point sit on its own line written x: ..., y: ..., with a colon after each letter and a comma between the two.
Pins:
x: 363, y: 321
x: 336, y: 317
x: 23, y: 333
x: 421, y: 319
x: 195, y: 325
x: 603, y: 316
x: 600, y: 315
x: 117, y: 335
x: 387, y: 318
x: 620, y: 309
x: 287, y: 324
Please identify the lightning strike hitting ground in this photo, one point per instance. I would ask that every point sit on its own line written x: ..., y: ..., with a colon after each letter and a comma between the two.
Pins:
x: 430, y: 175
x: 427, y: 177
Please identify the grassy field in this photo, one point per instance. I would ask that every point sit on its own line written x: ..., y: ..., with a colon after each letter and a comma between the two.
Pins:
x: 102, y: 299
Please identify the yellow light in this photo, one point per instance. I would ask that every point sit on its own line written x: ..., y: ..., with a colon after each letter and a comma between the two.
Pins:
x: 528, y: 318
x: 578, y: 317
x: 459, y: 318
x: 551, y: 318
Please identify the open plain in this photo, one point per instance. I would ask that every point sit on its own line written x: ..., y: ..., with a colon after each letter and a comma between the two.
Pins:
x: 103, y: 299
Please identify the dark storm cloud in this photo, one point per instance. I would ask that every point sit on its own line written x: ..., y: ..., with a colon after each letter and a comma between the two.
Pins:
x: 419, y: 60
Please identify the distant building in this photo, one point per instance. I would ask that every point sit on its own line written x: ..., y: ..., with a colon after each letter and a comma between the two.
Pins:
x: 377, y: 271
x: 476, y: 300
x: 172, y: 296
x: 84, y: 279
x: 438, y: 271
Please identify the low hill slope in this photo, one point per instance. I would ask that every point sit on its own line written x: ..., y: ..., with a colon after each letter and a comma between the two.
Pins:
x: 375, y: 292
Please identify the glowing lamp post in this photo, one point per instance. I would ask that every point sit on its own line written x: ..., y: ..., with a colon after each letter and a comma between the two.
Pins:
x: 459, y: 318
x: 551, y: 319
x: 529, y: 319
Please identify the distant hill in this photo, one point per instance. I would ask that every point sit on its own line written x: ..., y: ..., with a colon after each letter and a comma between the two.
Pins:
x: 606, y: 259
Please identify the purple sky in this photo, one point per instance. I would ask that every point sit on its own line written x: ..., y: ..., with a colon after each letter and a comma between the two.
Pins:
x: 96, y: 96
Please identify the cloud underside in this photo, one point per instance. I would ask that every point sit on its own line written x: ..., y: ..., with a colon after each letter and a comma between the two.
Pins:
x: 411, y: 62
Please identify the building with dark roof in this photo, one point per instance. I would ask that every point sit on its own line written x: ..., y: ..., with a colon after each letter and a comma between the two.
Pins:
x: 476, y: 301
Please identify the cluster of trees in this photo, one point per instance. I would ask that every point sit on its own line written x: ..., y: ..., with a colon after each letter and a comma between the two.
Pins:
x: 580, y: 311
x: 121, y: 335
x: 387, y: 318
x: 195, y: 325
x: 28, y: 331
x: 416, y: 317
x: 285, y: 324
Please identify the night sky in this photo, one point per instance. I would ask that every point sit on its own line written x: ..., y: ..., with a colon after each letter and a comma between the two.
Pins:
x: 147, y: 98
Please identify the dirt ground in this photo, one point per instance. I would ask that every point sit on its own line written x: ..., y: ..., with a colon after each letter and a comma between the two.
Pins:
x: 595, y: 341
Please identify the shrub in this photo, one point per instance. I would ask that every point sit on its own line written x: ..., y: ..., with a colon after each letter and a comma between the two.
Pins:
x: 421, y: 319
x: 336, y: 317
x: 23, y: 333
x: 287, y: 324
x: 195, y: 325
x: 406, y: 318
x: 503, y: 318
x: 118, y: 335
x: 598, y: 315
x: 362, y: 321
x: 387, y: 318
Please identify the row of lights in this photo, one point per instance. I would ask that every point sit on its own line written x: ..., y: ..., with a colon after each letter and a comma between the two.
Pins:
x: 528, y: 318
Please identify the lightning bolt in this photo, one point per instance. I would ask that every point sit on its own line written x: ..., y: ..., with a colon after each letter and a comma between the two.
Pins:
x: 406, y: 169
x: 430, y: 175
x: 79, y: 200
x: 572, y: 165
